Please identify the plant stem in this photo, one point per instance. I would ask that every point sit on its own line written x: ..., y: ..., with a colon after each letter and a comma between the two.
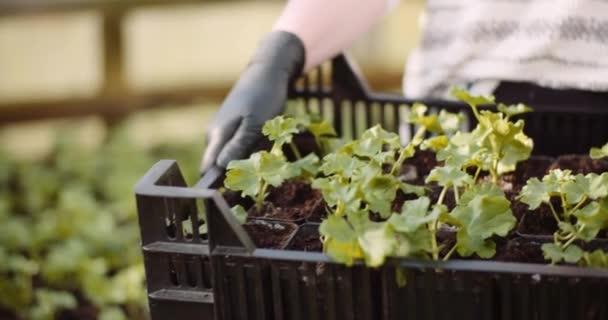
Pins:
x: 295, y: 150
x: 456, y: 194
x: 574, y: 237
x: 578, y: 205
x: 449, y: 254
x: 475, y: 112
x: 259, y: 199
x: 434, y: 247
x: 564, y: 204
x: 494, y: 172
x: 403, y: 154
x: 556, y: 235
x: 554, y: 212
x: 442, y: 195
x: 417, y: 139
x: 477, y: 172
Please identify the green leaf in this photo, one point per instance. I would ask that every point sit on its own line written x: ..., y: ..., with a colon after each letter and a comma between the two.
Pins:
x: 534, y: 193
x: 341, y: 164
x: 307, y: 166
x: 335, y: 191
x: 48, y: 302
x: 322, y: 129
x: 464, y: 96
x: 576, y: 189
x: 14, y: 233
x: 247, y: 175
x: 414, y: 214
x: 595, y: 259
x: 467, y: 245
x: 448, y: 176
x: 566, y: 227
x: 598, y: 153
x: 379, y: 192
x: 418, y: 116
x: 450, y: 122
x: 594, y: 218
x: 242, y: 176
x: 345, y: 252
x: 274, y: 169
x: 556, y: 179
x: 552, y: 252
x: 374, y: 140
x: 462, y: 151
x: 573, y: 254
x: 482, y: 213
x: 280, y: 129
x: 598, y: 185
x: 412, y: 189
x: 377, y: 242
x: 239, y: 213
x: 556, y: 254
x: 340, y: 240
x: 435, y: 143
x: 514, y: 110
x: 337, y: 228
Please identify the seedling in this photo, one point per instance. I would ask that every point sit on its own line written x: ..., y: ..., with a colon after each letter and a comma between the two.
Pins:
x: 253, y: 176
x: 496, y: 145
x: 582, y: 213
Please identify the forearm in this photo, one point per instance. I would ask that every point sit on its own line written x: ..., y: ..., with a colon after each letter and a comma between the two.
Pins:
x: 327, y: 27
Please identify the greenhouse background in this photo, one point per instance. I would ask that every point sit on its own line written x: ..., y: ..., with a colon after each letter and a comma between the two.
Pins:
x: 92, y: 93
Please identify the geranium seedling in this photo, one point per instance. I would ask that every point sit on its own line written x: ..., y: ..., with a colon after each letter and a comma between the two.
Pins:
x: 584, y: 211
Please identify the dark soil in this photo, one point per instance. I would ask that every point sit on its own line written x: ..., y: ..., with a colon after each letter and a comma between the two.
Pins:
x: 417, y: 168
x: 294, y: 200
x: 580, y: 163
x: 269, y: 235
x: 519, y: 250
x: 307, y: 238
x: 400, y: 198
x: 538, y: 222
x: 448, y: 199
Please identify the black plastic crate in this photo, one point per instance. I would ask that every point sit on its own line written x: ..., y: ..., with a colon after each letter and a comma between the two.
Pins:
x: 251, y: 283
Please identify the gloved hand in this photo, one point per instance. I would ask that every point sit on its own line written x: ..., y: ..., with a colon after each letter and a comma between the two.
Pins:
x: 259, y: 95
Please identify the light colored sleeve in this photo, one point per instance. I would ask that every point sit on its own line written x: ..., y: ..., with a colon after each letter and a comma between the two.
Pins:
x: 328, y: 27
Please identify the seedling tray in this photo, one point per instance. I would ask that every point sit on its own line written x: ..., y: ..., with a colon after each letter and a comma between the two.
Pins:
x: 227, y: 277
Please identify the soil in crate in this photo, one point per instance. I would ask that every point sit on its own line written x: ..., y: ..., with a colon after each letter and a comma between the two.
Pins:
x: 580, y: 164
x: 294, y: 201
x: 307, y: 238
x: 268, y: 234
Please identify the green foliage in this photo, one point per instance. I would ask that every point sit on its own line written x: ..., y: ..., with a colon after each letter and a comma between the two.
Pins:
x: 253, y: 176
x: 263, y: 168
x: 483, y: 211
x: 449, y: 176
x: 497, y: 144
x: 239, y: 213
x: 69, y: 235
x: 280, y: 130
x: 598, y: 153
x: 596, y: 259
x: 584, y: 211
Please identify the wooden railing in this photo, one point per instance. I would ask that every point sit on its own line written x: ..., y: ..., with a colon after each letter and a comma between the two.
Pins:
x: 114, y: 100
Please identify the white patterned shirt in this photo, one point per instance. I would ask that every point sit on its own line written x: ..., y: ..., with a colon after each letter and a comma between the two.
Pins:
x: 552, y: 43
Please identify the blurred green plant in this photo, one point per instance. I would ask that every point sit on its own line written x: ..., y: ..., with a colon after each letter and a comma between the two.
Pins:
x: 69, y: 237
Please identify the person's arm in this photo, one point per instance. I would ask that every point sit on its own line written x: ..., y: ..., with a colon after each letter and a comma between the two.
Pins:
x: 327, y: 27
x: 307, y: 33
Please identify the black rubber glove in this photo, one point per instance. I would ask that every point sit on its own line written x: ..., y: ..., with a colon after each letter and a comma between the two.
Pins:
x: 258, y: 95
